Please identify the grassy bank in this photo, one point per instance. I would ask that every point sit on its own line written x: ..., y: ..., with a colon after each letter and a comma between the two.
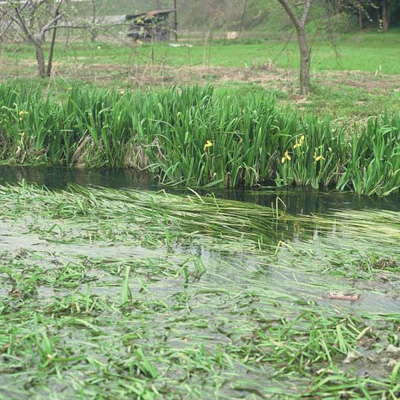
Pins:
x: 360, y: 80
x: 110, y: 294
x: 197, y: 137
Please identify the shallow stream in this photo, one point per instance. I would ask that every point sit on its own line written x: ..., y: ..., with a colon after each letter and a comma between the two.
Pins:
x: 300, y: 279
x: 207, y: 292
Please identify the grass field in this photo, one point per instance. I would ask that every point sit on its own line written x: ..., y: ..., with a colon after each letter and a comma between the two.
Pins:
x: 358, y: 79
x: 367, y: 52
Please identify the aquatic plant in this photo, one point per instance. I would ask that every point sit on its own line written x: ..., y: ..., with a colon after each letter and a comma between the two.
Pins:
x: 147, y: 295
x: 198, y: 137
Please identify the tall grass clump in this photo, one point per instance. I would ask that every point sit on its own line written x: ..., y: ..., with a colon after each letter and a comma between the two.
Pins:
x: 373, y: 164
x: 197, y: 137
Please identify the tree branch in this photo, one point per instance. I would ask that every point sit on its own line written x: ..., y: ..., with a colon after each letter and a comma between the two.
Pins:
x: 52, y: 24
x: 296, y: 22
x: 8, y: 25
x: 6, y: 29
x: 68, y: 27
x: 22, y: 23
x: 306, y: 12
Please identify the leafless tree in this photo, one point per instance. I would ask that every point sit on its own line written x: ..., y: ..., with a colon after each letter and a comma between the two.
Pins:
x: 34, y: 19
x: 299, y: 23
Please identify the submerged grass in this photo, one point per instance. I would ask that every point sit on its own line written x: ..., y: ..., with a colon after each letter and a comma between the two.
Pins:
x: 196, y: 137
x: 124, y: 294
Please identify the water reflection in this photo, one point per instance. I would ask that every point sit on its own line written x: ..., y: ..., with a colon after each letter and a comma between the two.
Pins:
x: 59, y: 178
x: 309, y: 201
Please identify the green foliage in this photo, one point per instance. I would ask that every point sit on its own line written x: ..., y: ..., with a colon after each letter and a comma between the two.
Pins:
x: 197, y: 137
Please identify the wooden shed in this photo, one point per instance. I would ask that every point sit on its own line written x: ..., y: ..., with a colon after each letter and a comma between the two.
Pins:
x: 152, y: 25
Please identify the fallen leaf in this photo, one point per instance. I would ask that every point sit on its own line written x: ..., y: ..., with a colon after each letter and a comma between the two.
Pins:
x: 343, y: 296
x: 351, y: 357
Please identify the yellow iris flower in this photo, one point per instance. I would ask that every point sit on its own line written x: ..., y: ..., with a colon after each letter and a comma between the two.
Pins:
x: 286, y: 157
x: 208, y: 144
x: 299, y: 143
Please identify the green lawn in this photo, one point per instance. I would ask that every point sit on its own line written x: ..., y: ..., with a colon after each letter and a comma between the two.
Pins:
x: 364, y: 52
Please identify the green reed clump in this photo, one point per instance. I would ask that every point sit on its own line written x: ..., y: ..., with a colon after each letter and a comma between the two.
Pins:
x: 197, y: 137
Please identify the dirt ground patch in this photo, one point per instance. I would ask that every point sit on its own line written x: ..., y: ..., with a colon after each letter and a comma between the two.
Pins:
x: 160, y: 75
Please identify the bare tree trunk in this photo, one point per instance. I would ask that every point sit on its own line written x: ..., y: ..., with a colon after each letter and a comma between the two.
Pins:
x: 385, y: 21
x: 304, y: 62
x: 360, y: 19
x: 40, y: 60
x: 51, y: 52
x: 300, y: 25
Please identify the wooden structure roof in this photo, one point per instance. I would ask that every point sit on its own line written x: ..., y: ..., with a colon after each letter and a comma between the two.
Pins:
x: 150, y: 15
